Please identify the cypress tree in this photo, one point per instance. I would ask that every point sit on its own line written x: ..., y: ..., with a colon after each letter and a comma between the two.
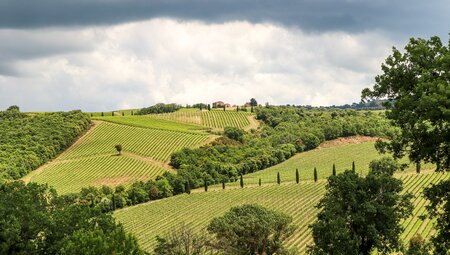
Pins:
x: 418, y: 167
x: 209, y: 107
x: 187, y: 187
x: 201, y: 107
x: 260, y: 182
x: 242, y: 181
x: 223, y: 184
x: 132, y: 113
x: 334, y: 169
x: 112, y: 113
x: 113, y: 201
x: 251, y: 108
x: 278, y: 178
x: 206, y: 185
x: 103, y: 114
x: 237, y: 108
x: 224, y: 108
x: 123, y: 113
x: 297, y: 176
x: 353, y: 167
x: 92, y: 115
x: 315, y: 174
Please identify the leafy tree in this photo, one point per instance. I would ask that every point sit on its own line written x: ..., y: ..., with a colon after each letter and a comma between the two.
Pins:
x: 182, y: 241
x: 118, y: 148
x: 418, y: 246
x: 416, y: 83
x: 251, y: 229
x: 234, y: 133
x: 385, y: 165
x: 253, y: 102
x: 297, y: 176
x: 358, y: 215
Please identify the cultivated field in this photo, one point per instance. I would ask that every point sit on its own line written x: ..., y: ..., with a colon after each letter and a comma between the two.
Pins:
x: 215, y: 118
x: 155, y: 218
x: 92, y: 160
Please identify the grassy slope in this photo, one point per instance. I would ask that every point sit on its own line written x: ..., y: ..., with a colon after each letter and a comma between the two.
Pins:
x: 154, y: 218
x: 91, y: 160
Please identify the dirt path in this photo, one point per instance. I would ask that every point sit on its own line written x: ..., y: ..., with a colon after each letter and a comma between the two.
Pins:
x: 254, y: 123
x: 357, y: 139
x: 151, y: 161
x: 27, y: 178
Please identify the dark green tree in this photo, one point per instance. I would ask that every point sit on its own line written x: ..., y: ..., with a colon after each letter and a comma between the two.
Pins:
x: 418, y: 246
x: 182, y: 240
x: 251, y: 229
x: 334, y: 169
x: 278, y: 178
x: 297, y: 176
x: 187, y: 187
x: 253, y: 102
x: 260, y: 182
x: 315, y: 174
x: 353, y: 167
x: 417, y: 82
x: 209, y: 107
x: 223, y: 184
x: 103, y: 114
x: 123, y: 113
x: 118, y: 148
x: 234, y: 133
x: 359, y: 214
x: 418, y: 167
x: 241, y: 181
x: 206, y: 185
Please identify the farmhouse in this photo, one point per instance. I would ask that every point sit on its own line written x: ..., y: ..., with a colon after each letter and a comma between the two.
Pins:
x: 220, y: 104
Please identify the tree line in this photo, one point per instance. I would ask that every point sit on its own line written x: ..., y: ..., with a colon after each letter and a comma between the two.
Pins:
x: 29, y: 140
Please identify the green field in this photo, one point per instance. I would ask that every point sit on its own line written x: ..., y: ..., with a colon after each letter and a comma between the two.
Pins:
x: 323, y: 158
x: 213, y: 119
x: 92, y: 160
x: 155, y: 218
x: 150, y: 122
x: 126, y: 112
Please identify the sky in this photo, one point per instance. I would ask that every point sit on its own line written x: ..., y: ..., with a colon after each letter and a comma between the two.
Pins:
x: 100, y: 55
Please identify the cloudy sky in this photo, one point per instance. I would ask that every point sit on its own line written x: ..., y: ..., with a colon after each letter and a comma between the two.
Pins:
x: 99, y: 55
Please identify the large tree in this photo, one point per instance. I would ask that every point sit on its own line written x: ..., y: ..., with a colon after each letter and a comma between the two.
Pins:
x: 360, y: 214
x: 417, y: 84
x: 251, y: 229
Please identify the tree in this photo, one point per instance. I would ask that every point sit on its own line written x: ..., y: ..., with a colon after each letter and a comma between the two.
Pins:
x: 251, y: 229
x: 234, y: 133
x: 359, y: 214
x: 416, y: 83
x: 182, y: 241
x: 103, y: 114
x: 253, y: 102
x: 334, y: 169
x: 418, y: 167
x: 278, y: 178
x: 353, y: 167
x: 209, y: 107
x: 223, y: 184
x: 260, y: 182
x: 241, y: 182
x: 297, y: 176
x: 418, y: 246
x: 206, y: 185
x: 315, y: 174
x: 118, y: 148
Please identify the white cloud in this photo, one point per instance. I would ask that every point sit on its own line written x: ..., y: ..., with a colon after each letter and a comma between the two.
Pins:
x: 163, y: 60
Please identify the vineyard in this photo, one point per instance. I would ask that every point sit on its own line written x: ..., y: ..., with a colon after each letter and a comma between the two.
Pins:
x: 92, y: 160
x: 323, y: 158
x: 213, y: 119
x: 150, y: 122
x: 155, y: 218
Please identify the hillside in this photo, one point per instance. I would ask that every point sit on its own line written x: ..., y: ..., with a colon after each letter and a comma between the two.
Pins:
x: 92, y: 160
x: 154, y: 218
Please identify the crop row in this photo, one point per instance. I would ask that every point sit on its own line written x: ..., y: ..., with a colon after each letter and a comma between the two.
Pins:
x: 151, y: 219
x: 155, y: 143
x: 71, y: 175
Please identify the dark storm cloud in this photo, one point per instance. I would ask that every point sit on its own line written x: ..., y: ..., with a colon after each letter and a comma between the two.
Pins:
x: 421, y: 17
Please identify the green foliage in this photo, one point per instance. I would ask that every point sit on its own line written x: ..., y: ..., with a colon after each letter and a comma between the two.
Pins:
x: 29, y: 140
x: 315, y: 174
x: 358, y: 215
x: 386, y: 165
x: 251, y: 229
x: 278, y: 178
x: 159, y: 108
x: 234, y: 133
x: 34, y: 220
x: 118, y: 148
x: 418, y: 83
x: 418, y: 246
x: 253, y: 102
x: 182, y: 241
x: 297, y: 176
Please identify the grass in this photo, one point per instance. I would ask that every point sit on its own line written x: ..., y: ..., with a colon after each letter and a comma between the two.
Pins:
x: 149, y: 122
x: 217, y: 119
x: 155, y: 218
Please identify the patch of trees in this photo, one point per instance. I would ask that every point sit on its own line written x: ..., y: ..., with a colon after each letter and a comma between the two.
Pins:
x: 35, y: 220
x: 159, y: 108
x: 29, y: 140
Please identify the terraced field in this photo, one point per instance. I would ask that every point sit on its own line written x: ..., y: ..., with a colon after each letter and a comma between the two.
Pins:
x: 213, y: 119
x: 92, y: 159
x: 154, y: 218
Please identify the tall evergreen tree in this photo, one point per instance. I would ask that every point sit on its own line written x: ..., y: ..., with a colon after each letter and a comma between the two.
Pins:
x: 113, y: 201
x: 297, y: 176
x: 260, y: 182
x: 315, y: 174
x: 418, y: 167
x: 353, y: 167
x: 278, y: 178
x: 123, y: 113
x: 103, y: 114
x: 112, y: 113
x: 209, y: 107
x: 334, y: 169
x: 223, y: 107
x: 206, y: 185
x: 223, y: 184
x: 242, y: 181
x: 187, y: 187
